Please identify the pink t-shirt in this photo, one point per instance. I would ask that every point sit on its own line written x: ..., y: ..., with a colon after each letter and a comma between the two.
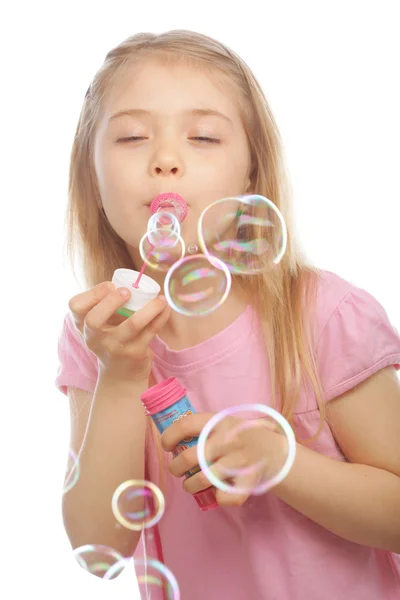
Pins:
x: 264, y: 549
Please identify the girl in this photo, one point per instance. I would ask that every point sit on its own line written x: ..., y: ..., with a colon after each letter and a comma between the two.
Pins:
x: 180, y: 112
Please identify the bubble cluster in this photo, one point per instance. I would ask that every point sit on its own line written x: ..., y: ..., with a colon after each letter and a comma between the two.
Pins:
x: 265, y: 471
x: 242, y: 235
x: 138, y: 504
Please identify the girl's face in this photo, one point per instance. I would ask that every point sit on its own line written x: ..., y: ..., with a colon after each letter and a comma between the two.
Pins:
x: 168, y: 108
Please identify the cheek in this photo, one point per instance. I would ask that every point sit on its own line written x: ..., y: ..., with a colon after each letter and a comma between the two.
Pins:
x: 118, y: 173
x: 121, y: 177
x: 229, y: 170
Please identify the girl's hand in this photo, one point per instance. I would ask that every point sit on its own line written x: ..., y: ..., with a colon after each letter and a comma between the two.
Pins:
x: 252, y: 450
x: 121, y: 344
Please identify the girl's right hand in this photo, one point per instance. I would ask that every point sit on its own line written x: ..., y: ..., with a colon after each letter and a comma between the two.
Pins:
x: 121, y: 344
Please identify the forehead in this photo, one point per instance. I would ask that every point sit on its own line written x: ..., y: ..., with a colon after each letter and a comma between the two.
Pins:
x: 170, y: 88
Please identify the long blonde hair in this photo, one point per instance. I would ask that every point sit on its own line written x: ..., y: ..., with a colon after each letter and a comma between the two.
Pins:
x: 280, y: 296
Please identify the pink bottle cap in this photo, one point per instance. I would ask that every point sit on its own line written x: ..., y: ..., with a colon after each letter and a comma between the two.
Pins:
x: 206, y: 499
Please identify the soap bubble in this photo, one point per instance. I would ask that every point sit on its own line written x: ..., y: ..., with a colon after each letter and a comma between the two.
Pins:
x: 167, y: 251
x: 271, y: 464
x: 152, y: 574
x: 154, y: 579
x: 138, y: 504
x: 193, y: 249
x: 160, y: 227
x: 99, y: 559
x: 248, y: 233
x: 197, y: 285
x: 73, y: 471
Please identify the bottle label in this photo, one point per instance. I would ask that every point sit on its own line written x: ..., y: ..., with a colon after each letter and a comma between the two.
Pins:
x: 166, y: 417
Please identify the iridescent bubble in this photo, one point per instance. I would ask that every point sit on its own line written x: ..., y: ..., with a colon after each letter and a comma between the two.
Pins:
x: 165, y: 253
x: 73, y: 471
x: 197, y: 285
x: 269, y: 466
x: 152, y: 575
x: 160, y: 227
x: 99, y: 559
x: 193, y: 249
x: 248, y: 233
x: 154, y: 579
x: 138, y: 504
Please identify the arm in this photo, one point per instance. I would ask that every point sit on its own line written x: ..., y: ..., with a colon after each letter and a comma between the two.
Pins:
x: 359, y: 500
x: 108, y: 435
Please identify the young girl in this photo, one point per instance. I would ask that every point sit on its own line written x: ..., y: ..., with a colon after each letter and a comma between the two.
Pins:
x: 179, y: 112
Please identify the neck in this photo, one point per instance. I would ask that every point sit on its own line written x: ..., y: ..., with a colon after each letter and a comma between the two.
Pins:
x: 184, y: 332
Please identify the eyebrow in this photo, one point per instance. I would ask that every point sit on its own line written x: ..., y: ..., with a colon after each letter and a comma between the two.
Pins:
x: 195, y: 112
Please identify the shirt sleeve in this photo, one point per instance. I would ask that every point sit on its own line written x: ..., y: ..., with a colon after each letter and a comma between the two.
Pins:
x: 357, y: 341
x: 78, y: 366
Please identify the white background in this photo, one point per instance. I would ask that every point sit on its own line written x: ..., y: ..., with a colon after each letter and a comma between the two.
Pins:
x: 330, y: 73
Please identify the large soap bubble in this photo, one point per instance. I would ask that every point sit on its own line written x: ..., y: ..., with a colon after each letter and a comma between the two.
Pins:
x: 248, y: 233
x: 250, y: 421
x: 197, y: 285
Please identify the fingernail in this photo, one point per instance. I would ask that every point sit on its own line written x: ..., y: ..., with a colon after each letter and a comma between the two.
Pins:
x: 162, y: 298
x: 124, y: 292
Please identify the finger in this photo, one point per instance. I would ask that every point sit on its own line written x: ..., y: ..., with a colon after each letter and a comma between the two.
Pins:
x: 196, y: 484
x: 189, y: 426
x: 241, y: 481
x: 82, y: 303
x: 237, y: 466
x: 182, y: 463
x: 230, y: 498
x: 231, y: 434
x: 98, y: 316
x: 135, y: 324
x: 152, y: 329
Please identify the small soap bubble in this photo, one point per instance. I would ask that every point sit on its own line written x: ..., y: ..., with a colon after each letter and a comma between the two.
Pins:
x: 160, y: 227
x: 99, y: 559
x: 193, y: 249
x: 167, y: 251
x: 154, y: 580
x: 73, y: 471
x: 248, y: 233
x: 272, y: 461
x: 152, y: 576
x: 138, y: 504
x: 197, y: 285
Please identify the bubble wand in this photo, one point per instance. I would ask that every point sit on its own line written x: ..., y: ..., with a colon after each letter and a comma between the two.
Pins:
x: 136, y: 283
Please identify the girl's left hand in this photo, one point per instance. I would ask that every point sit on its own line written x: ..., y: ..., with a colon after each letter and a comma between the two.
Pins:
x: 252, y: 450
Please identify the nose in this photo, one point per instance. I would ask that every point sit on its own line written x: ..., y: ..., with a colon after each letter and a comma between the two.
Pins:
x: 161, y: 170
x: 166, y: 161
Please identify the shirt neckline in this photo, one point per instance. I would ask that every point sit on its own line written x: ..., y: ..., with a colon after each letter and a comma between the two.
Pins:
x: 222, y: 343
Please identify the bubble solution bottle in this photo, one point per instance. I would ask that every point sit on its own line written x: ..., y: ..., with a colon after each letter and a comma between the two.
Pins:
x: 167, y: 402
x: 147, y: 290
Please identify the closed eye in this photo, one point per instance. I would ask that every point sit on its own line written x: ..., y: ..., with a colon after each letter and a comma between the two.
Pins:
x: 131, y: 139
x: 202, y: 140
x: 207, y: 140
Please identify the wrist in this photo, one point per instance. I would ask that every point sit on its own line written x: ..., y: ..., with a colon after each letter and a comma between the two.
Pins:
x: 118, y: 384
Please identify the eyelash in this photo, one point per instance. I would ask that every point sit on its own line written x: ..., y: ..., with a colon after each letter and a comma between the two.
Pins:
x: 201, y: 139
